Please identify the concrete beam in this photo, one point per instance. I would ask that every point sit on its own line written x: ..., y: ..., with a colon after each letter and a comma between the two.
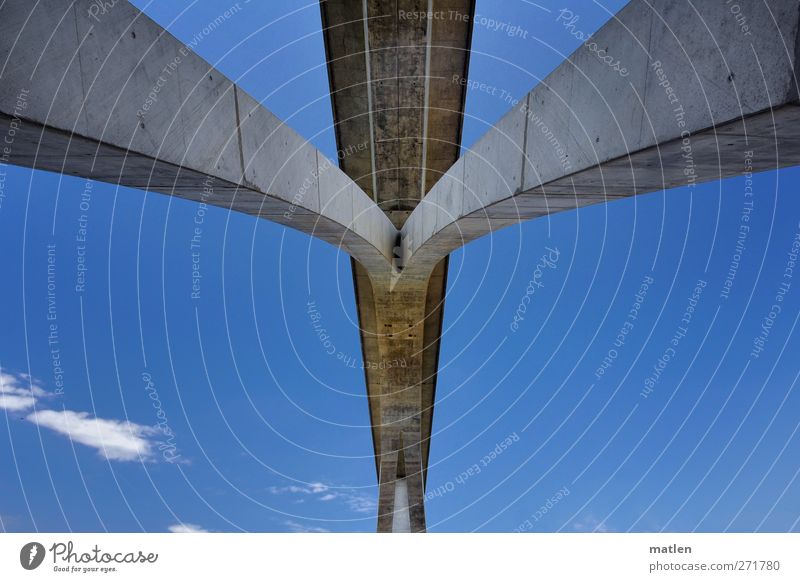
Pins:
x: 666, y: 94
x: 110, y: 95
x: 391, y: 73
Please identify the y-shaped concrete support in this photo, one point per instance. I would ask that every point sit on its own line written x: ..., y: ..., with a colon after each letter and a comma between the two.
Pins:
x: 120, y: 100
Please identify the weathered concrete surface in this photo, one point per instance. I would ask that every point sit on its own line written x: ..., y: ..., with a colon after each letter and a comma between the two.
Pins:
x: 400, y: 317
x: 391, y: 72
x: 113, y: 97
x: 398, y: 117
x: 432, y: 299
x: 696, y: 94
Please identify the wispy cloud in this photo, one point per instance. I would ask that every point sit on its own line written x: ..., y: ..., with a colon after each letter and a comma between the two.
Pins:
x: 361, y: 503
x: 18, y: 392
x: 308, y: 489
x: 355, y: 499
x: 116, y: 440
x: 300, y: 528
x: 186, y: 528
x: 590, y: 523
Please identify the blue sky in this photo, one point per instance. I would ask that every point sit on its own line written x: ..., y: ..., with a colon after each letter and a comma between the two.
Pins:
x: 270, y: 433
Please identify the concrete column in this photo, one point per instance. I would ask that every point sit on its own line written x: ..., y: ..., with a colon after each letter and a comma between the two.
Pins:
x: 400, y: 317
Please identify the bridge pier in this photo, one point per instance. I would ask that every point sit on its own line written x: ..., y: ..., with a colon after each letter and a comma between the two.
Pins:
x: 400, y: 310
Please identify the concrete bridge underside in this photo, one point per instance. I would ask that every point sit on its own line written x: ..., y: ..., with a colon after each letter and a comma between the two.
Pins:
x: 700, y: 95
x: 391, y: 75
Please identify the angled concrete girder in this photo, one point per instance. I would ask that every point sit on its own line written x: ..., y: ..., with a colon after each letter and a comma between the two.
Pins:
x: 698, y: 92
x: 116, y: 98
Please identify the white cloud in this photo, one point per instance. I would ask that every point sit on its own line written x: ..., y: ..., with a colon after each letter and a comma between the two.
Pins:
x: 318, y: 487
x: 289, y: 489
x: 116, y: 440
x: 186, y: 528
x: 310, y: 489
x: 300, y: 528
x: 18, y: 391
x: 353, y: 498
